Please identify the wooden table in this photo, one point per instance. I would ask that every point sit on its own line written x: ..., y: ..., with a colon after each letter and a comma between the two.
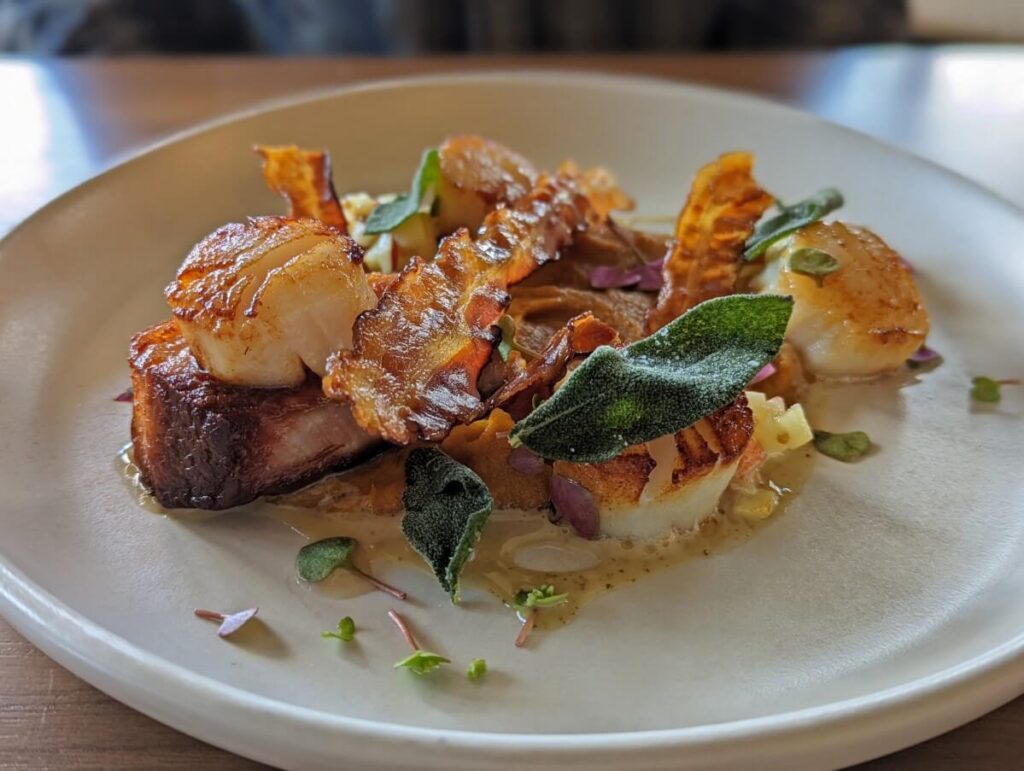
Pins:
x: 63, y: 120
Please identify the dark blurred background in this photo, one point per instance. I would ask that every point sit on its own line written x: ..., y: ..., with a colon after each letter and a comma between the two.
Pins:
x: 404, y: 27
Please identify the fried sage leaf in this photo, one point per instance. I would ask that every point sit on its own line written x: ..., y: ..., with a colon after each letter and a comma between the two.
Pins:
x: 446, y: 507
x: 319, y: 559
x: 697, y: 364
x: 790, y: 219
x: 303, y: 178
x: 390, y: 215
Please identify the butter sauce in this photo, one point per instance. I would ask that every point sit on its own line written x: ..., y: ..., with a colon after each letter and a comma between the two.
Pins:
x: 524, y: 549
x: 517, y: 549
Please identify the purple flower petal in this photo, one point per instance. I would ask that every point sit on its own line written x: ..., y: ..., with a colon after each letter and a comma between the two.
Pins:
x: 525, y: 461
x: 611, y: 277
x: 766, y: 372
x: 236, y: 621
x: 647, y: 277
x: 574, y: 503
x: 651, y: 279
x: 124, y: 396
x: 924, y: 354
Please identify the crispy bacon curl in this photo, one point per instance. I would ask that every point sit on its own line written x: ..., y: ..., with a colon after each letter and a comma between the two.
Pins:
x: 720, y: 213
x: 412, y: 372
x: 582, y: 335
x: 303, y: 178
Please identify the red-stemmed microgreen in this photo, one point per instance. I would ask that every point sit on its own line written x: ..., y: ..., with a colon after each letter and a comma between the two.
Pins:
x: 528, y: 602
x: 420, y: 662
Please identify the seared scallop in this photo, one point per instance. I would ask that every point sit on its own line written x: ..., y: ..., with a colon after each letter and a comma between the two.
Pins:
x: 863, y: 319
x: 259, y: 302
x: 671, y: 483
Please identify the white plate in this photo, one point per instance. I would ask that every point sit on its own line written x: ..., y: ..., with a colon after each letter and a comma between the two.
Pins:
x: 882, y: 608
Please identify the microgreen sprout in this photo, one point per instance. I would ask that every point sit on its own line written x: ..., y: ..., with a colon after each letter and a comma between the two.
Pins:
x: 986, y: 389
x: 420, y: 662
x: 345, y: 632
x: 815, y: 263
x: 528, y: 601
x: 845, y: 447
x: 477, y: 669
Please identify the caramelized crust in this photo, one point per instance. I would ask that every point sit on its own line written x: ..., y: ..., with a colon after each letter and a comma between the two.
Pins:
x: 472, y: 164
x: 215, y: 282
x: 712, y: 443
x: 202, y: 444
x: 720, y: 213
x: 262, y: 300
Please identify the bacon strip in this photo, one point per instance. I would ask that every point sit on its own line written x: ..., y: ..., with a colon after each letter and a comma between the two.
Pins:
x: 720, y: 213
x: 303, y: 177
x: 583, y: 334
x: 412, y: 372
x: 599, y: 186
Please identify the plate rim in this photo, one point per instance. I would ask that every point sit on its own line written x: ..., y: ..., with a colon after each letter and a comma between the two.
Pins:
x: 981, y: 683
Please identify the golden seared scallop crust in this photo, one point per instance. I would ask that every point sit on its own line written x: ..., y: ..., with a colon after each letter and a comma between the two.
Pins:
x: 862, y: 320
x: 485, y: 168
x: 672, y: 482
x: 261, y: 301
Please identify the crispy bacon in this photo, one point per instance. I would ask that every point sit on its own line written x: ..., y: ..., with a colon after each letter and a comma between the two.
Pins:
x: 303, y: 177
x: 599, y: 186
x: 416, y: 358
x: 720, y: 213
x: 581, y: 335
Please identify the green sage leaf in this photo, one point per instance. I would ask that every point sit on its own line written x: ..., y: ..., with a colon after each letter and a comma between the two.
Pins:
x: 812, y: 262
x: 845, y: 447
x: 790, y: 219
x: 695, y: 365
x: 446, y: 507
x: 388, y: 216
x: 319, y: 559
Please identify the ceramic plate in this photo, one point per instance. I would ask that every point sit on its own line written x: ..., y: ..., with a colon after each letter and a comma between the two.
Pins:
x: 881, y: 608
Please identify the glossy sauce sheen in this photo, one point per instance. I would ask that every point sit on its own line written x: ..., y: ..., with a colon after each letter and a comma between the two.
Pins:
x: 517, y: 550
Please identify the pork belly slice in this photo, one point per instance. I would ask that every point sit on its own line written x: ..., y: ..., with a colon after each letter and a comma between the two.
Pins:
x: 200, y: 443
